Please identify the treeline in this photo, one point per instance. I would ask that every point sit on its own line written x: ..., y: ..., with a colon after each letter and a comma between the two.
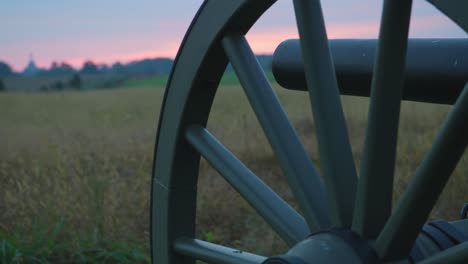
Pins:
x: 91, y: 75
x: 75, y: 82
x: 135, y: 68
x: 143, y: 67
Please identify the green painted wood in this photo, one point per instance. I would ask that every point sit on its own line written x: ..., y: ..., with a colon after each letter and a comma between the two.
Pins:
x: 303, y: 179
x: 374, y: 196
x: 198, y: 68
x: 455, y: 10
x: 290, y: 225
x: 455, y: 255
x: 214, y: 254
x: 336, y: 157
x: 461, y: 225
x: 435, y: 70
x: 189, y: 94
x: 325, y: 248
x: 414, y: 208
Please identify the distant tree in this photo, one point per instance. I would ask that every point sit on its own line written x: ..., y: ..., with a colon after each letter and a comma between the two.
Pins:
x: 89, y: 67
x: 75, y: 82
x: 53, y: 70
x: 118, y: 68
x: 5, y: 69
x: 103, y: 68
x: 44, y: 88
x: 66, y: 68
x: 2, y: 86
x: 57, y: 69
x: 58, y: 85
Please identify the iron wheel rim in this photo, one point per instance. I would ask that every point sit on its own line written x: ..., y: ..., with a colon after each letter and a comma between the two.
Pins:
x: 192, y: 85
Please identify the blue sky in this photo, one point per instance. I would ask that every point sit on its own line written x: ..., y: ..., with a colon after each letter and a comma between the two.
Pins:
x: 106, y: 31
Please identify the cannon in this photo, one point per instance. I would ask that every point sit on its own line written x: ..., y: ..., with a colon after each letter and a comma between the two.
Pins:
x: 341, y: 218
x: 436, y: 70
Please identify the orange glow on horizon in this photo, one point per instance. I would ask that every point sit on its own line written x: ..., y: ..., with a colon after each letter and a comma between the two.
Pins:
x: 265, y: 42
x: 262, y: 41
x: 125, y: 57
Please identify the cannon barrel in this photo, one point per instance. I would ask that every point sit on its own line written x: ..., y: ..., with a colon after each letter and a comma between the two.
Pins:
x: 436, y: 69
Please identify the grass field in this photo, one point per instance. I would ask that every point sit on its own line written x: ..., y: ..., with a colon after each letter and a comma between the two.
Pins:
x: 229, y: 79
x: 75, y: 170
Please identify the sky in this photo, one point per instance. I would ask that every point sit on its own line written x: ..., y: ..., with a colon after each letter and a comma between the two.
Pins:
x: 107, y: 31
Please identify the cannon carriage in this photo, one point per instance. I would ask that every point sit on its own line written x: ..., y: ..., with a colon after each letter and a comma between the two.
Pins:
x: 343, y: 218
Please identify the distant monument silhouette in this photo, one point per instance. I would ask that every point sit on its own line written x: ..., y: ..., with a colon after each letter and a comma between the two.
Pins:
x: 31, y: 69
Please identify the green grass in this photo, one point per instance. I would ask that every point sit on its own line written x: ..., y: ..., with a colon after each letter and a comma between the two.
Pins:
x: 154, y: 81
x: 75, y: 170
x: 91, y: 82
x: 229, y: 78
x: 43, y: 244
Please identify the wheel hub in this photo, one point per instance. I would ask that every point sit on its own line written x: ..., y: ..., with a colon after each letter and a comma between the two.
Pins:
x: 331, y: 246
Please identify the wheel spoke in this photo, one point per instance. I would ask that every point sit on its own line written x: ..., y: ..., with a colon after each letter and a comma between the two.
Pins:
x: 335, y: 149
x: 294, y: 160
x: 404, y: 225
x: 213, y: 253
x: 453, y: 255
x: 290, y: 225
x: 374, y: 196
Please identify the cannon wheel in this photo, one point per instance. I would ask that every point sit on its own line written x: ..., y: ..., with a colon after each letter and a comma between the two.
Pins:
x: 339, y: 204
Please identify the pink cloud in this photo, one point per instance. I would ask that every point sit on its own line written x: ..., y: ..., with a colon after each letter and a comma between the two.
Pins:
x: 353, y: 30
x: 99, y: 51
x: 263, y: 40
x: 435, y: 26
x: 266, y: 41
x: 125, y: 57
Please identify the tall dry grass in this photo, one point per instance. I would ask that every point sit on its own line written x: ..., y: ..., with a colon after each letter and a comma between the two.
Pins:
x: 418, y: 127
x: 83, y: 160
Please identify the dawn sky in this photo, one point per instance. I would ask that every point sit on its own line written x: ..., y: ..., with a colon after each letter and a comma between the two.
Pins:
x: 107, y: 31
